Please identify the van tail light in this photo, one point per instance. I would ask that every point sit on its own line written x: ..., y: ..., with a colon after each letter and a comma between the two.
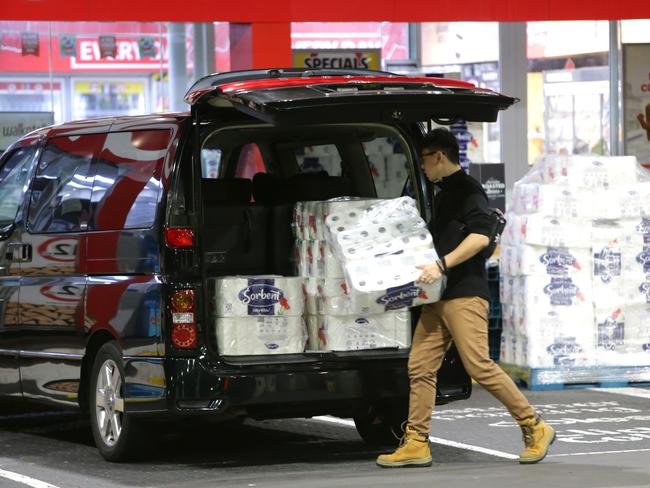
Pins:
x: 179, y: 237
x: 184, y: 333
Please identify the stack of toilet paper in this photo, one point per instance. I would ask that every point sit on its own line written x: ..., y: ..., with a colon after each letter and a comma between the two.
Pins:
x: 575, y: 266
x: 333, y: 320
x: 381, y: 247
x: 258, y: 314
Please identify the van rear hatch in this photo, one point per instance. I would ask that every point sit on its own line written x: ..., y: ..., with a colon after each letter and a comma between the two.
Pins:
x: 372, y: 97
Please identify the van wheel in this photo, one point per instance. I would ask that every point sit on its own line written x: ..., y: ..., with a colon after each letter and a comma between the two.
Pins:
x: 381, y: 426
x: 113, y: 429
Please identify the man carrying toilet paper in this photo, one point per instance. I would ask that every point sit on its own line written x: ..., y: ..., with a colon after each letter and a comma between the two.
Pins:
x: 461, y: 228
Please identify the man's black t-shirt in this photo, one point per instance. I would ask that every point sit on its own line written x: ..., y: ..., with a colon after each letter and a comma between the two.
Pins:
x: 461, y: 208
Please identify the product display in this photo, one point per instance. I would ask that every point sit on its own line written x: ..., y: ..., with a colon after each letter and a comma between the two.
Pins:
x: 575, y: 268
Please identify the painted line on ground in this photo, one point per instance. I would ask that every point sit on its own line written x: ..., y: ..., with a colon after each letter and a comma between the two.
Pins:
x: 435, y: 440
x: 597, y: 452
x: 26, y: 480
x: 628, y: 391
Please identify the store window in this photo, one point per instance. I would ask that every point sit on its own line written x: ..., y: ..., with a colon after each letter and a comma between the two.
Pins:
x: 568, y: 88
x: 468, y: 51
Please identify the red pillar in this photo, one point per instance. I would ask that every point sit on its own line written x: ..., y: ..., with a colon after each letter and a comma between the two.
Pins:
x: 260, y: 45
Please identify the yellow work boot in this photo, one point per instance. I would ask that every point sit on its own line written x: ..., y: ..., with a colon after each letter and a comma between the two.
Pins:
x: 413, y: 450
x: 538, y: 437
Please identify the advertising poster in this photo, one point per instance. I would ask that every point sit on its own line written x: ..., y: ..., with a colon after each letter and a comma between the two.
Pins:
x: 29, y: 43
x: 107, y: 46
x: 14, y: 125
x: 68, y: 45
x: 338, y: 59
x: 636, y: 101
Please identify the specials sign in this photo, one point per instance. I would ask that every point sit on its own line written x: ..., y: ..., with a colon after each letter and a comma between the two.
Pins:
x: 337, y: 59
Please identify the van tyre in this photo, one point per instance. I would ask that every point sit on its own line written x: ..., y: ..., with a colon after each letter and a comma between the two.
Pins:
x: 381, y: 426
x: 115, y: 432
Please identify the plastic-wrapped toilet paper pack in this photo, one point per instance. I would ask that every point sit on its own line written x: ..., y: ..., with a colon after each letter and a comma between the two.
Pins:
x: 566, y: 350
x: 554, y: 290
x: 539, y: 260
x: 551, y: 231
x: 624, y: 336
x: 637, y: 289
x: 356, y: 332
x: 380, y: 212
x: 316, y: 213
x: 635, y: 232
x: 301, y: 257
x: 242, y: 296
x: 311, y: 291
x: 552, y: 201
x: 377, y: 166
x: 297, y: 223
x: 591, y: 171
x: 380, y: 274
x: 377, y: 244
x: 336, y: 299
x: 623, y: 203
x: 329, y: 264
x: 243, y: 336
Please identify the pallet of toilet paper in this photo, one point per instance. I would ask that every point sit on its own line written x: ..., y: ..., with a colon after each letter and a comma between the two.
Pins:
x: 575, y: 271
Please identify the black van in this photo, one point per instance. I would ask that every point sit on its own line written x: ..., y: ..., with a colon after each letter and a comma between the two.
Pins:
x: 111, y: 228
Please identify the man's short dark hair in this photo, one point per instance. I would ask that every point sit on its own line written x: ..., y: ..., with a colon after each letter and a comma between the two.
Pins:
x: 441, y: 139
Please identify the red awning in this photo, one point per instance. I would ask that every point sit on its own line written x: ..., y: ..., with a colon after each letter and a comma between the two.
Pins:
x: 331, y: 11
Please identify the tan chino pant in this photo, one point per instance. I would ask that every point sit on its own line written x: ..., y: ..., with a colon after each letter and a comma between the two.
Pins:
x: 465, y: 321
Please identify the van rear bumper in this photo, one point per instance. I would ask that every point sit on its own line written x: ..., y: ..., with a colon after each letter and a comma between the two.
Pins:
x: 198, y: 386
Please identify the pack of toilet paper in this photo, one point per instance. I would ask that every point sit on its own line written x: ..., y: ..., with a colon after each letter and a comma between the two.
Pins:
x: 595, y: 172
x: 337, y: 299
x: 310, y: 216
x: 555, y: 201
x: 243, y: 296
x: 540, y: 260
x: 357, y: 332
x: 244, y: 336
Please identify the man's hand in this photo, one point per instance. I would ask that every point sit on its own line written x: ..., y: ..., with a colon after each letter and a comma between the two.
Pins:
x: 430, y: 273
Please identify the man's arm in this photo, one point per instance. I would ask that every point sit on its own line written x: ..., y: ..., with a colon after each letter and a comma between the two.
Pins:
x: 477, y: 222
x: 470, y: 247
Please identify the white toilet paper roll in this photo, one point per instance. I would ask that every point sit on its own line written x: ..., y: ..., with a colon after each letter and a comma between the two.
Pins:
x: 237, y: 336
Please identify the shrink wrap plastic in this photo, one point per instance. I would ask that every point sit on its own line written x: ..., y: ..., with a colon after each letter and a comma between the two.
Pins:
x: 575, y: 270
x: 356, y: 332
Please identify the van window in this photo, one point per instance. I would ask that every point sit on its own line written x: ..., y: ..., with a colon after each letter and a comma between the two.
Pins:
x: 127, y: 183
x: 60, y: 193
x: 388, y: 166
x: 324, y: 157
x: 250, y: 162
x: 13, y: 180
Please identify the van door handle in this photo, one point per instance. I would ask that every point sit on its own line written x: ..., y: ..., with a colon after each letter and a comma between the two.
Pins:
x: 19, y: 252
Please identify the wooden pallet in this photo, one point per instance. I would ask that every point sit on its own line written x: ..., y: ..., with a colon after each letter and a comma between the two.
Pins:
x: 574, y: 377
